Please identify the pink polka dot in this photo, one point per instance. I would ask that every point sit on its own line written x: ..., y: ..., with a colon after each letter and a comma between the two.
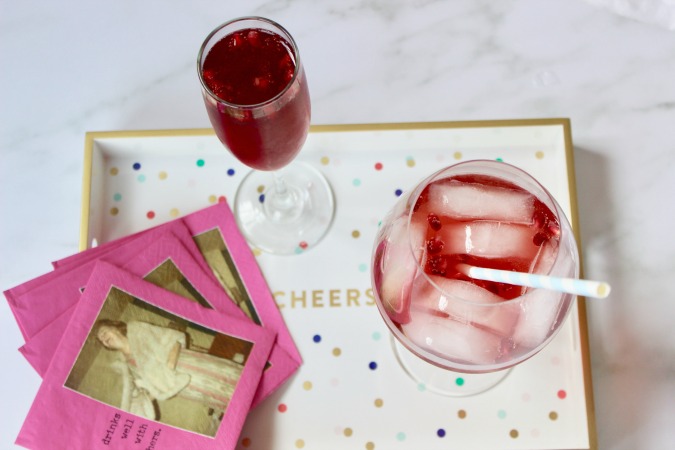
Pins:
x: 150, y: 215
x: 303, y: 245
x: 282, y: 407
x: 562, y: 394
x: 378, y: 166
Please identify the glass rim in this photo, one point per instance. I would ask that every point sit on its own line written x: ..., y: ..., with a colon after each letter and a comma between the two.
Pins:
x: 558, y: 212
x: 281, y: 31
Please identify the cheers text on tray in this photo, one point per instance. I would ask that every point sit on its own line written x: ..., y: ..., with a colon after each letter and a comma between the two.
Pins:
x: 324, y: 298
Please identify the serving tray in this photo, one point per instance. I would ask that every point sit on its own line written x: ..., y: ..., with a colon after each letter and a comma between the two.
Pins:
x: 350, y: 392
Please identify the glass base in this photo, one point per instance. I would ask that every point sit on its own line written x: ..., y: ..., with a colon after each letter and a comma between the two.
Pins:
x: 442, y: 381
x: 287, y: 221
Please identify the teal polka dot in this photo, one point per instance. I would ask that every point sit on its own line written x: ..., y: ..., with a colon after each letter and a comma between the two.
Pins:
x: 500, y: 160
x: 356, y: 182
x: 377, y: 336
x: 298, y: 250
x: 421, y: 387
x: 141, y: 178
x: 400, y: 436
x: 117, y: 197
x: 459, y: 381
x: 200, y: 163
x: 501, y: 414
x: 363, y: 267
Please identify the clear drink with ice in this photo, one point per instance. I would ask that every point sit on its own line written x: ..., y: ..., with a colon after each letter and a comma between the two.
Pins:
x: 481, y: 213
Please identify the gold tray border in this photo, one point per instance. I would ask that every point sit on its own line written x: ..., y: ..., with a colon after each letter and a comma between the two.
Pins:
x: 92, y: 136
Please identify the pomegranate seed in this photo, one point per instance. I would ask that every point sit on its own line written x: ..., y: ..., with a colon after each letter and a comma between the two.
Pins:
x: 435, y: 245
x: 437, y: 265
x: 539, y: 239
x: 434, y: 222
x: 261, y: 82
x: 253, y: 38
x: 208, y: 75
x: 236, y: 40
x: 286, y: 62
x: 218, y: 88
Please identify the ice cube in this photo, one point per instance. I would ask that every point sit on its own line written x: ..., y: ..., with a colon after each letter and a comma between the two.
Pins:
x: 477, y: 201
x: 402, y: 256
x: 548, y: 263
x: 545, y: 258
x: 539, y: 309
x: 464, y: 302
x: 451, y: 339
x: 488, y: 239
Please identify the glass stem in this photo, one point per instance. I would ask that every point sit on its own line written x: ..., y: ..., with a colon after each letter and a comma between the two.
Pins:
x: 281, y: 199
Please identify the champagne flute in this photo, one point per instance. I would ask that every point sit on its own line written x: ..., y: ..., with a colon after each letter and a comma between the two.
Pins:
x: 455, y: 334
x: 256, y: 95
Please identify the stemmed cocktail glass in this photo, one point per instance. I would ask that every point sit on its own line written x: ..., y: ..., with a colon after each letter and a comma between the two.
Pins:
x: 256, y: 95
x: 456, y: 334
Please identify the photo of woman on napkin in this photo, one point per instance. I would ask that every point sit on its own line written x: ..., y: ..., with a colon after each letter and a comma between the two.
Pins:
x: 158, y: 369
x: 157, y: 365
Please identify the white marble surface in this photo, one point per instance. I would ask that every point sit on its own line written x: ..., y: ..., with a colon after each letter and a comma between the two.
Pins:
x: 75, y: 66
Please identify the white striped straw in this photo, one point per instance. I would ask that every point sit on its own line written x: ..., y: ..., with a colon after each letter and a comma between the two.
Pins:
x: 587, y: 288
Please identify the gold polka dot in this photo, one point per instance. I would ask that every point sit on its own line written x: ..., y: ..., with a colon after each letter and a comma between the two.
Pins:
x: 553, y: 415
x: 513, y: 434
x: 213, y: 199
x: 539, y: 154
x: 379, y: 403
x: 457, y: 155
x: 348, y: 432
x: 114, y: 211
x: 337, y: 351
x: 461, y: 414
x: 370, y: 446
x: 356, y: 234
x: 261, y: 189
x: 307, y: 385
x: 299, y: 443
x: 410, y: 162
x: 114, y: 171
x: 325, y: 160
x: 163, y: 175
x: 174, y: 212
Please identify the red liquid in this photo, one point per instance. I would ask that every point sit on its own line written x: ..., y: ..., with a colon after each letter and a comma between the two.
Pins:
x: 251, y: 67
x: 543, y: 229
